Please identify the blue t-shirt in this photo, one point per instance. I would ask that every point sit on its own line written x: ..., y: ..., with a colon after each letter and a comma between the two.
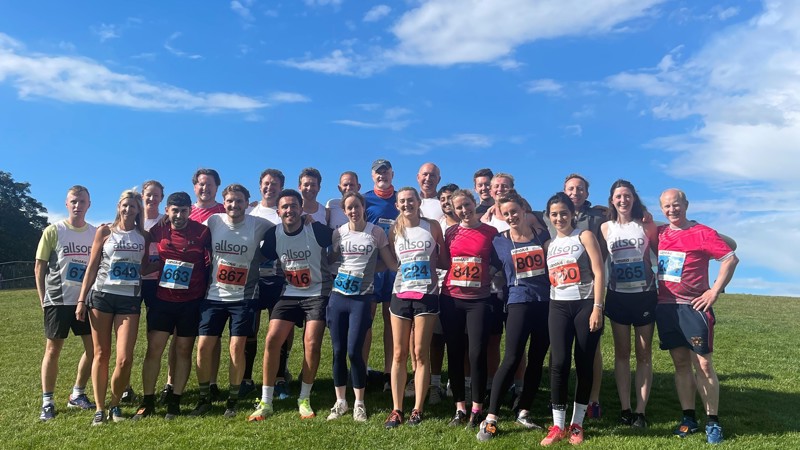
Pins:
x: 383, y: 213
x: 525, y: 267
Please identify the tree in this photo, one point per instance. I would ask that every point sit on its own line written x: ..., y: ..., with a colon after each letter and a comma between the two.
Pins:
x: 21, y: 220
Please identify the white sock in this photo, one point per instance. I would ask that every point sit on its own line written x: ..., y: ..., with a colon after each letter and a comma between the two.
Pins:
x: 578, y: 413
x: 267, y: 393
x: 559, y: 417
x: 76, y: 391
x: 360, y: 403
x: 343, y: 402
x: 305, y: 390
x: 47, y: 398
x: 436, y: 380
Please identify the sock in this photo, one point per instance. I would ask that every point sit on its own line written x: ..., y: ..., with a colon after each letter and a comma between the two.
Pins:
x: 266, y: 394
x: 436, y: 380
x: 476, y: 411
x: 233, y: 392
x: 175, y: 399
x: 689, y: 413
x: 359, y: 403
x: 713, y: 418
x: 78, y: 391
x: 149, y: 400
x: 47, y: 398
x: 305, y: 390
x: 343, y: 402
x: 578, y: 413
x: 559, y: 415
x: 205, y: 391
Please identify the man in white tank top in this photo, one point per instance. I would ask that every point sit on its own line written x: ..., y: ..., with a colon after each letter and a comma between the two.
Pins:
x: 61, y: 260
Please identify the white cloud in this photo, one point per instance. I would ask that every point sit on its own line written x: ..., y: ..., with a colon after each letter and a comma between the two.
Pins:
x: 106, y: 31
x: 377, y: 13
x: 464, y: 140
x: 323, y: 2
x: 447, y: 32
x: 544, y: 86
x: 574, y: 130
x: 392, y: 118
x: 288, y: 97
x: 242, y: 9
x: 168, y: 44
x: 726, y: 13
x: 80, y: 80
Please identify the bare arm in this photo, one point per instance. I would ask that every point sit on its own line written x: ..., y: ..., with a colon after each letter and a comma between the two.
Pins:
x: 91, y: 270
x: 709, y: 297
x: 387, y: 257
x: 40, y: 271
x: 596, y: 257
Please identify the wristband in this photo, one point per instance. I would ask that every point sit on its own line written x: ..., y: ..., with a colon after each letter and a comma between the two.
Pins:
x: 598, y: 305
x: 81, y: 301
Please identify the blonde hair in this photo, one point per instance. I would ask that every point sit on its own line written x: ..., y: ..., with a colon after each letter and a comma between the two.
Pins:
x: 400, y: 224
x: 137, y: 197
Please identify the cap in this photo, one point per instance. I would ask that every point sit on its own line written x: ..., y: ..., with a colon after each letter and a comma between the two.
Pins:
x: 381, y: 164
x: 179, y: 199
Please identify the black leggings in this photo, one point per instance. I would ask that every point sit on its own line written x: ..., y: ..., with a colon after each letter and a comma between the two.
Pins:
x: 476, y: 315
x: 569, y: 321
x: 524, y: 320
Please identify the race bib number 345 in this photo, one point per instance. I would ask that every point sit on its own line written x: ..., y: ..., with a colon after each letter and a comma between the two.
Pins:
x: 465, y: 272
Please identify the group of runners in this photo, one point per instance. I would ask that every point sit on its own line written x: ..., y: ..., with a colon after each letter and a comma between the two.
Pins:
x: 450, y: 270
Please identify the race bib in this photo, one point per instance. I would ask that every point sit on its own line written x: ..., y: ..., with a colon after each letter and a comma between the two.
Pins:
x: 124, y: 273
x: 465, y: 271
x: 298, y: 274
x: 564, y: 272
x: 528, y: 261
x: 348, y: 282
x: 670, y: 265
x: 415, y: 271
x: 176, y: 274
x: 75, y: 272
x: 629, y: 273
x: 231, y: 276
x: 386, y: 224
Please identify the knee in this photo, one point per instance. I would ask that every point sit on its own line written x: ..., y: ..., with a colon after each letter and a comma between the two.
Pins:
x: 52, y: 351
x: 400, y: 355
x: 184, y: 349
x: 705, y: 367
x: 102, y: 355
x: 124, y: 361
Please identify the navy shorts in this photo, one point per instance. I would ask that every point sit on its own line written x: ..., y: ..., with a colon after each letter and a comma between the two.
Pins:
x: 215, y: 314
x: 408, y: 308
x: 637, y: 309
x: 181, y: 317
x: 114, y: 303
x: 59, y: 319
x: 680, y: 325
x: 300, y: 310
x: 384, y: 283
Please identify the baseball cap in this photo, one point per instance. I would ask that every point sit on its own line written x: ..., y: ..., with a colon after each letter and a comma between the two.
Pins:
x: 381, y: 164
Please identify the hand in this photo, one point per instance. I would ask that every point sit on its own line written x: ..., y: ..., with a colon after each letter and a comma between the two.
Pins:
x: 704, y: 302
x: 596, y: 319
x: 647, y: 217
x: 308, y: 219
x: 80, y: 312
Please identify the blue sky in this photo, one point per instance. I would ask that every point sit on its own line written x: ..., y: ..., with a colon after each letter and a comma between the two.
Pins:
x: 699, y: 95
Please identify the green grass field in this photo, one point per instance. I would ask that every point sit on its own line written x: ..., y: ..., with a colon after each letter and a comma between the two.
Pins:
x: 757, y: 343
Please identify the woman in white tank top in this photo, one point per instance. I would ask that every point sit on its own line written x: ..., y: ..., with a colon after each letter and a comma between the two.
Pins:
x: 631, y: 236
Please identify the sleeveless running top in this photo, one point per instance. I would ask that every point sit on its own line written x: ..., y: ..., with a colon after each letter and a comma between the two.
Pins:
x: 417, y: 255
x: 120, y: 269
x: 304, y: 262
x: 66, y: 262
x: 359, y: 249
x: 234, y: 257
x: 431, y: 208
x: 630, y: 257
x: 570, y: 268
x: 152, y: 250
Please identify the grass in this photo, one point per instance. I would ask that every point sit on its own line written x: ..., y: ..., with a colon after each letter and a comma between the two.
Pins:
x: 758, y: 350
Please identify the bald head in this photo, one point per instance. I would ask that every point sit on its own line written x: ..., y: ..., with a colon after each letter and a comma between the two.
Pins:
x: 674, y: 204
x: 428, y: 178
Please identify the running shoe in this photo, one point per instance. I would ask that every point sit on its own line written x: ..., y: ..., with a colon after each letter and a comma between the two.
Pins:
x: 487, y: 431
x: 394, y: 420
x: 98, y: 419
x: 214, y: 393
x: 164, y: 395
x: 359, y: 413
x: 48, y: 412
x: 415, y: 418
x: 143, y: 411
x: 554, y: 435
x: 513, y: 397
x: 339, y: 409
x: 230, y: 408
x: 640, y: 421
x: 435, y: 394
x: 714, y: 433
x: 115, y: 414
x: 203, y: 407
x: 262, y: 411
x: 128, y: 396
x: 246, y: 388
x: 81, y: 401
x: 687, y: 426
x: 575, y: 434
x: 282, y: 390
x: 593, y: 411
x: 524, y: 419
x: 173, y: 410
x: 411, y: 390
x: 475, y: 420
x: 459, y: 419
x: 304, y: 406
x: 626, y: 417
